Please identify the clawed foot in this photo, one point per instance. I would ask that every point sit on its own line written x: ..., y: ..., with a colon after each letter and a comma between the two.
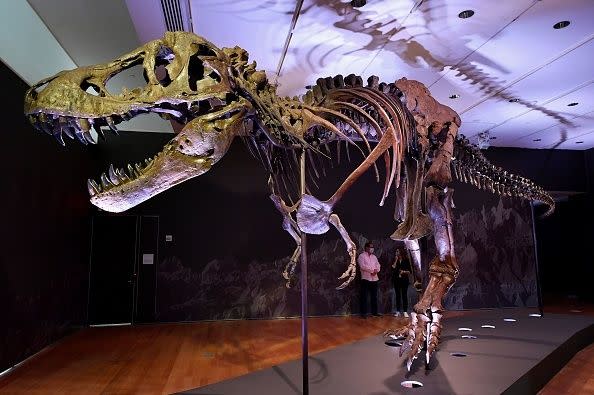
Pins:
x: 422, y: 332
x: 289, y: 272
x: 351, y: 271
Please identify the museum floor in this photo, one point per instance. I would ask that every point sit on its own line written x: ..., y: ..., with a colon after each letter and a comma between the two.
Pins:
x: 168, y: 358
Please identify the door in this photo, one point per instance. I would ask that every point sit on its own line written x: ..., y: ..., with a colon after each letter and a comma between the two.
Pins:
x: 112, y: 269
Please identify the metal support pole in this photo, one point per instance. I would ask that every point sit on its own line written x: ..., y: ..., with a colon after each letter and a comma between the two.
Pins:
x: 536, y: 265
x: 305, y: 351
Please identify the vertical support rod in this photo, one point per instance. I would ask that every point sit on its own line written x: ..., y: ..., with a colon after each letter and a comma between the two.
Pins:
x: 538, y: 290
x: 304, y: 342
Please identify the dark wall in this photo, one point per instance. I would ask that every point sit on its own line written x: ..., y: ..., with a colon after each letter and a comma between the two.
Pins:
x: 554, y: 170
x: 565, y: 263
x: 45, y: 232
x: 228, y: 248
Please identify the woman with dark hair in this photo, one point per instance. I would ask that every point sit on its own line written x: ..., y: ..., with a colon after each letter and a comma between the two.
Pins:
x: 400, y: 281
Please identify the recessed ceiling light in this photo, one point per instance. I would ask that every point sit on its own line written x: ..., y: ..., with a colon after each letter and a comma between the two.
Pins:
x: 561, y: 25
x: 358, y: 3
x: 573, y: 104
x: 514, y: 100
x: 579, y: 142
x: 536, y: 140
x: 466, y: 14
x: 454, y: 96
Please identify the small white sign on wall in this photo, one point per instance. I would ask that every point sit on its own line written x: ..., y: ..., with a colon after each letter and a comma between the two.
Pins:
x: 147, y: 259
x: 168, y: 237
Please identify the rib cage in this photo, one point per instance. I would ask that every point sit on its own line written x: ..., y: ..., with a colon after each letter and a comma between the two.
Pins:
x: 348, y: 111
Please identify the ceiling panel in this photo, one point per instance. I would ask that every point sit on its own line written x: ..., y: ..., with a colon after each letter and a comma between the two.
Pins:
x: 526, y: 45
x: 390, y: 39
x: 555, y: 80
x: 559, y: 134
x: 259, y: 27
x: 528, y: 123
x: 27, y: 41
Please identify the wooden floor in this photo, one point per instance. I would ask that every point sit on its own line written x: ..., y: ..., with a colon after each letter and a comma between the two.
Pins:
x: 162, y: 359
x: 167, y: 358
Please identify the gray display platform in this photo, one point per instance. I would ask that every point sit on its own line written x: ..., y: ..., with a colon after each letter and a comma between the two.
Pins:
x: 514, y: 357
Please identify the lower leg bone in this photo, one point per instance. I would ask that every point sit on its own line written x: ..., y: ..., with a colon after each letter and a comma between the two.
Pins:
x: 351, y: 271
x: 443, y: 271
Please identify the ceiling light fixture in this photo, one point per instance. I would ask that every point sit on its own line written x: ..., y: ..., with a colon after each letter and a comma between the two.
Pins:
x: 573, y: 104
x: 358, y: 3
x: 536, y: 140
x: 579, y: 142
x: 561, y: 25
x: 515, y: 100
x: 454, y: 96
x: 466, y: 14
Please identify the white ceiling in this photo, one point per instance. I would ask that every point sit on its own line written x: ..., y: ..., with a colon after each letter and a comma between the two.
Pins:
x: 507, y: 50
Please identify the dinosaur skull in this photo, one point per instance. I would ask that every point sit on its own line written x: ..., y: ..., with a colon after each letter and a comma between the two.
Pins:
x: 188, y: 80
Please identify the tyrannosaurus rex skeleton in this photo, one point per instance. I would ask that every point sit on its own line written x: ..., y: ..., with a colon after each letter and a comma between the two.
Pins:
x: 217, y: 95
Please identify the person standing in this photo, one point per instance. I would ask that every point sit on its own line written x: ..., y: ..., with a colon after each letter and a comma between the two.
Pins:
x: 400, y: 281
x: 370, y: 267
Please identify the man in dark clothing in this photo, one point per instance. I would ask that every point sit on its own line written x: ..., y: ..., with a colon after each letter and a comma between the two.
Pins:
x: 400, y: 281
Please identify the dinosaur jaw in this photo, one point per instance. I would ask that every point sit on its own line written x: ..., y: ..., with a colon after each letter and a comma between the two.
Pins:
x: 201, y: 143
x: 78, y: 126
x: 119, y: 191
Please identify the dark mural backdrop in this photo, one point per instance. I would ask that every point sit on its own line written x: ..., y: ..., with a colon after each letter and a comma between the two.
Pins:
x: 228, y: 248
x: 44, y: 232
x: 495, y: 251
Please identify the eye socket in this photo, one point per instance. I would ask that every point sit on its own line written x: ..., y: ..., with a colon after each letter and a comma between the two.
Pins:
x: 195, y: 71
x: 205, y: 50
x: 163, y: 58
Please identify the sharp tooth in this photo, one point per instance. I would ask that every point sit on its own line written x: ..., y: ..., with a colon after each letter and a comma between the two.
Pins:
x: 138, y: 167
x: 58, y: 136
x: 130, y: 171
x: 79, y: 135
x: 68, y: 132
x: 91, y: 186
x: 99, y: 131
x: 97, y: 186
x: 113, y: 177
x: 122, y: 175
x: 147, y: 162
x: 105, y: 181
x: 87, y: 135
x: 111, y: 125
x: 47, y: 128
